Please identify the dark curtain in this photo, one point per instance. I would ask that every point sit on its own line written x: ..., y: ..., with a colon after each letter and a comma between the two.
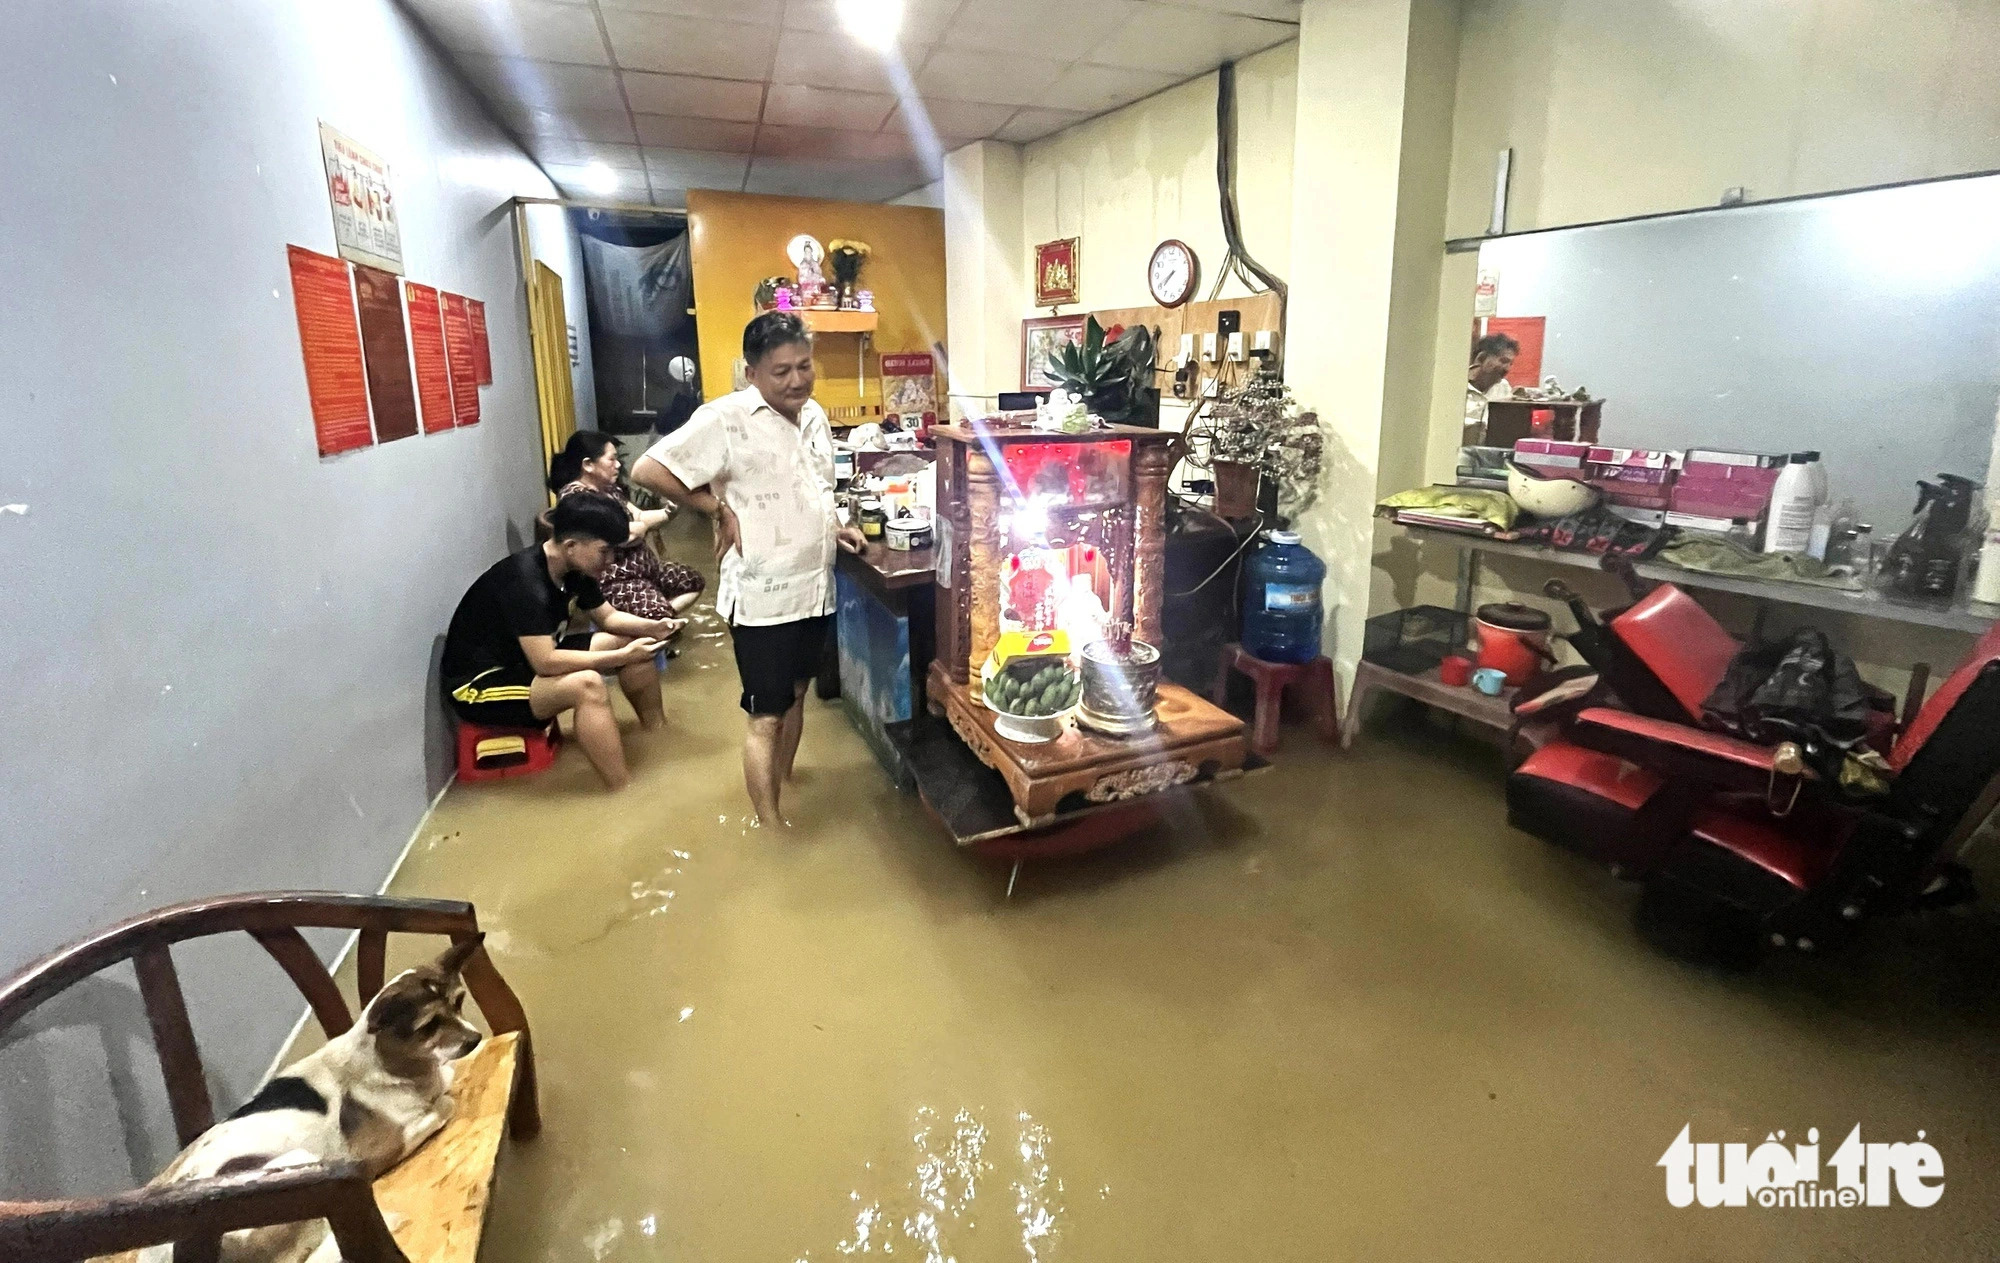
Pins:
x: 639, y: 282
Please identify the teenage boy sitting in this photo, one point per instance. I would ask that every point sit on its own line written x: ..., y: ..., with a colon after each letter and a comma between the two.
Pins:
x: 507, y: 663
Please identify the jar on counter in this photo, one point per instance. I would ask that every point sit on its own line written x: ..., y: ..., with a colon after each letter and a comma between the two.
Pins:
x: 873, y: 519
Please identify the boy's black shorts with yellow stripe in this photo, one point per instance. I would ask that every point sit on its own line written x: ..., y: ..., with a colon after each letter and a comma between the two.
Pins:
x: 497, y: 698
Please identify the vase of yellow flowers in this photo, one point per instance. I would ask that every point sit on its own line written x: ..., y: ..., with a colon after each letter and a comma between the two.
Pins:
x: 846, y: 258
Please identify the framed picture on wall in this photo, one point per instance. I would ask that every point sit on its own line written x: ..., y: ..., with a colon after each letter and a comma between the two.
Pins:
x: 1040, y: 340
x: 1057, y: 272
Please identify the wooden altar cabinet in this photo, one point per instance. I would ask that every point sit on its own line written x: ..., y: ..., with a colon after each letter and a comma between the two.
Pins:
x: 1031, y: 526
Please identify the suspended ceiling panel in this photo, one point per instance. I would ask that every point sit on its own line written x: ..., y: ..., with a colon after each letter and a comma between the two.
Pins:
x: 655, y: 97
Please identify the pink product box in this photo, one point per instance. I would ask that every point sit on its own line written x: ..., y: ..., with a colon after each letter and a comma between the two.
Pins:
x: 1637, y: 497
x: 1551, y: 452
x: 1697, y: 522
x: 1630, y: 475
x: 1711, y: 463
x: 1634, y: 458
x: 1551, y: 458
x: 1717, y: 497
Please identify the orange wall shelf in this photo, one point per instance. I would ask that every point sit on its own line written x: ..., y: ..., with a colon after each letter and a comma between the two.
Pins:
x: 839, y: 321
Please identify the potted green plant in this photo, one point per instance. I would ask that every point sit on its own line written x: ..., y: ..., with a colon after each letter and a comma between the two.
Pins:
x: 1112, y: 373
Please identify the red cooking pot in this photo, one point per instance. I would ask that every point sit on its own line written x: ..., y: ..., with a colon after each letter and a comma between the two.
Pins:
x: 1514, y: 639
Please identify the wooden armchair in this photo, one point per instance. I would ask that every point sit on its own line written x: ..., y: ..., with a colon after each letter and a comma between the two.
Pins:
x: 443, y: 1188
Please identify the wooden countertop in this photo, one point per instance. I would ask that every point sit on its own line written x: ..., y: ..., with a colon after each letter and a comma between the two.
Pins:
x: 891, y: 568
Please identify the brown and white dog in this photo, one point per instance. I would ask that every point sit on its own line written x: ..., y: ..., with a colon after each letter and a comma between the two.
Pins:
x: 372, y: 1095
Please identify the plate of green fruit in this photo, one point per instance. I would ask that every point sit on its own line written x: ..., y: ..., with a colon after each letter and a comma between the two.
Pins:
x: 1031, y: 696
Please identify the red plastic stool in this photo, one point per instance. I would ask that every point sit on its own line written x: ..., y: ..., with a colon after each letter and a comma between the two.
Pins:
x: 488, y: 754
x: 1271, y: 680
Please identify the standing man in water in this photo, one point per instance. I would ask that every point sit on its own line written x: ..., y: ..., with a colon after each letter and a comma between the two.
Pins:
x: 759, y: 464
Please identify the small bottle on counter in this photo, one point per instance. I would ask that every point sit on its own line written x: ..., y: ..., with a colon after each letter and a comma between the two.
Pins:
x: 873, y: 519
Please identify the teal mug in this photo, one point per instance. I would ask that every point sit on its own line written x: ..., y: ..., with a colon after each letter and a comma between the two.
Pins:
x: 1489, y: 680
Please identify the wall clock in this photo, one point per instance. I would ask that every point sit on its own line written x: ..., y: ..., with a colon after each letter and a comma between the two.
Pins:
x: 1173, y: 273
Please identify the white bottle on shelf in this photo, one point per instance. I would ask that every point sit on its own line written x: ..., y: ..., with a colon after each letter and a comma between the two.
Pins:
x: 1822, y: 492
x: 1793, y: 502
x: 1987, y: 586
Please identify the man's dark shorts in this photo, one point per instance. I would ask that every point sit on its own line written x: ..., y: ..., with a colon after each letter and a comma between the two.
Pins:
x: 772, y: 661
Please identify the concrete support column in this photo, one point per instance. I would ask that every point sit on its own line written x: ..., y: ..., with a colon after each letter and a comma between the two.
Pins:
x: 1369, y: 177
x: 988, y: 285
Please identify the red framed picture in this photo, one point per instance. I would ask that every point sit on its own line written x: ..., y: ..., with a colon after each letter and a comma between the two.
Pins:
x: 1057, y: 271
x: 1040, y: 340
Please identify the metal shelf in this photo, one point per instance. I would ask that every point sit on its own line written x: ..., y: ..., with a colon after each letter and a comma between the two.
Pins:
x: 1971, y: 617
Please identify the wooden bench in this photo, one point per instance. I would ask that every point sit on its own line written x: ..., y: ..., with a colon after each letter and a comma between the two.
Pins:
x: 439, y: 1194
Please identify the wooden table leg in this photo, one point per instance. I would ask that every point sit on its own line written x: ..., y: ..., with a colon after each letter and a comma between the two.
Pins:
x: 1220, y: 694
x: 1270, y: 711
x: 1325, y: 692
x: 1357, y: 702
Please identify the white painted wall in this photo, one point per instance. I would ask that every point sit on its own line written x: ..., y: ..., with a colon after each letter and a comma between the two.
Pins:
x: 988, y: 284
x: 219, y: 645
x: 1130, y: 179
x: 931, y: 195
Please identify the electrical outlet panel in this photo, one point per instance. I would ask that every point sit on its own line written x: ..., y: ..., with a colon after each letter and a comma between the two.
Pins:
x: 1236, y: 347
x: 1208, y: 347
x: 1228, y: 322
x: 1211, y: 387
x: 1187, y: 349
x: 1265, y: 343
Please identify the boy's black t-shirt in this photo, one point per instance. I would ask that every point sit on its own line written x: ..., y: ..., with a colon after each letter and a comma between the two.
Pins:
x: 514, y: 598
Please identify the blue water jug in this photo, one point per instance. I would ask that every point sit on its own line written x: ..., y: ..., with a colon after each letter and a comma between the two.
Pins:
x: 1281, y: 605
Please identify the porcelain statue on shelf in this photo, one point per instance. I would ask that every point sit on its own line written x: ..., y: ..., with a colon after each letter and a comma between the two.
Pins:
x: 1063, y: 413
x: 809, y: 257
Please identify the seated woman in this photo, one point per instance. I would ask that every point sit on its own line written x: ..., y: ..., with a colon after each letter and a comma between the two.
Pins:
x: 637, y: 581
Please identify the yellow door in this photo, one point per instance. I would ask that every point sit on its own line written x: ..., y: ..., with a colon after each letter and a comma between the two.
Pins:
x: 548, y: 329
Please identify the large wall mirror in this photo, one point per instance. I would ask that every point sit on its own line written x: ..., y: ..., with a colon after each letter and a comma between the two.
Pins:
x: 1863, y: 325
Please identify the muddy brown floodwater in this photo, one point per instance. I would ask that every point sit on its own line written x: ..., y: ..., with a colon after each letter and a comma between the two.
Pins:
x: 1335, y: 1011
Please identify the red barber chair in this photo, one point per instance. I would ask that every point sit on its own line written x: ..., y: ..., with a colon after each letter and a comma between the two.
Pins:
x: 1743, y: 846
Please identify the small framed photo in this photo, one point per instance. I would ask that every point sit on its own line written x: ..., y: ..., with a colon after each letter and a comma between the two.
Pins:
x: 1040, y: 340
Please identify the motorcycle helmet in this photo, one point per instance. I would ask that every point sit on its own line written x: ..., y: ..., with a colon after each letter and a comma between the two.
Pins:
x: 1548, y: 498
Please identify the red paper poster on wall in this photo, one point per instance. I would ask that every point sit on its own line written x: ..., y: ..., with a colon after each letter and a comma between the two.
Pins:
x: 379, y: 295
x: 330, y: 338
x: 482, y: 353
x: 427, y: 347
x: 458, y: 353
x: 1528, y: 331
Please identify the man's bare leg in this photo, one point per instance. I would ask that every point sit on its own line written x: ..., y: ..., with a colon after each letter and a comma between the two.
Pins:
x: 681, y: 603
x: 794, y: 728
x: 596, y: 727
x: 760, y: 766
x: 641, y: 682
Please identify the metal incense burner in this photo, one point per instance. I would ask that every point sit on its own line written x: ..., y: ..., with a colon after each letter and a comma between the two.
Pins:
x: 1119, y: 693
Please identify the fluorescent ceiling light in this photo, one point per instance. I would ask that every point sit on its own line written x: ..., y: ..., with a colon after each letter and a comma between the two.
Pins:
x: 873, y: 22
x: 600, y: 179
